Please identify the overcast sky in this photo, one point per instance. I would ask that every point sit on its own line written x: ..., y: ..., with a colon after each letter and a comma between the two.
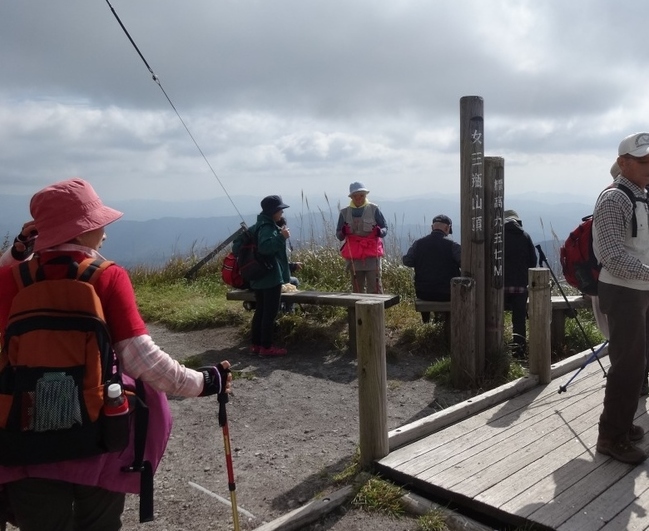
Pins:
x: 305, y: 96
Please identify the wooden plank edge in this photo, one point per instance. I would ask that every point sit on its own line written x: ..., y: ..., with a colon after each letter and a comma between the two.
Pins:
x: 310, y: 512
x: 437, y: 421
x: 420, y: 506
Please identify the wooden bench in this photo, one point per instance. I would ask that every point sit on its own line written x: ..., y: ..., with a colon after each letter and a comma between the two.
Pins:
x: 325, y: 298
x: 560, y: 310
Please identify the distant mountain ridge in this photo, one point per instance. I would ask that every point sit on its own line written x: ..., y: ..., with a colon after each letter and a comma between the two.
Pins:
x: 152, y: 231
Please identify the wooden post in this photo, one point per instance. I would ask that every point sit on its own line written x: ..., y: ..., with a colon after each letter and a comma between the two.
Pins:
x: 372, y: 381
x: 540, y: 313
x: 472, y: 209
x: 463, y: 322
x: 351, y: 328
x: 495, y: 277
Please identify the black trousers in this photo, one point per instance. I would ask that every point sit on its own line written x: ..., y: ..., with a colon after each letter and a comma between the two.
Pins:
x: 266, y: 310
x: 627, y: 311
x: 45, y: 504
x: 517, y: 304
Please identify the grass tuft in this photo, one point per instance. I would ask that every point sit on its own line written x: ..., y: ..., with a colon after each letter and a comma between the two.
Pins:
x: 380, y: 496
x: 435, y: 520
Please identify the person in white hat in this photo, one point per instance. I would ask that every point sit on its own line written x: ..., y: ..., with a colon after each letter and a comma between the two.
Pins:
x: 623, y: 290
x: 362, y: 227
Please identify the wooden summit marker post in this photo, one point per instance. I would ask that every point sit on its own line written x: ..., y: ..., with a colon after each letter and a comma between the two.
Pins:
x: 495, y: 271
x: 473, y: 219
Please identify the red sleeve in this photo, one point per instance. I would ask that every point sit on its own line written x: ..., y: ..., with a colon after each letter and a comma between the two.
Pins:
x: 115, y: 290
x: 8, y: 291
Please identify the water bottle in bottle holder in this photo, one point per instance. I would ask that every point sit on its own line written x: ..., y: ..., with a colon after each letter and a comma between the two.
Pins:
x: 116, y: 418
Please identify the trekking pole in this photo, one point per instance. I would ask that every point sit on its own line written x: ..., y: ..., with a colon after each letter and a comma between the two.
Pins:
x: 191, y: 273
x: 355, y: 286
x: 564, y: 388
x: 223, y: 422
x: 573, y: 313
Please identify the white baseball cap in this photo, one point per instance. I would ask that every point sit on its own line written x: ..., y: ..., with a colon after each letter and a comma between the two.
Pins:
x: 636, y: 145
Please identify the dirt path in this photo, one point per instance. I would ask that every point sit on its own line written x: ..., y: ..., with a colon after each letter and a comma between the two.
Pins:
x: 293, y: 423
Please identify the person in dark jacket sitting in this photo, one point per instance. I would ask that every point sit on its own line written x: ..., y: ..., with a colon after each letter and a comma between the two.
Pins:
x: 520, y: 255
x: 436, y: 259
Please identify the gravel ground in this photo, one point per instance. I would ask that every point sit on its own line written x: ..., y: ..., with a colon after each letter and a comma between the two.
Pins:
x: 293, y: 423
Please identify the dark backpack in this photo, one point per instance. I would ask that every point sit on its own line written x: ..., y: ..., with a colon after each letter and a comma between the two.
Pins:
x: 578, y: 262
x: 252, y: 265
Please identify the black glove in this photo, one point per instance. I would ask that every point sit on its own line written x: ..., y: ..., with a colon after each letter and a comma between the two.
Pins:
x: 215, y: 380
x: 27, y: 242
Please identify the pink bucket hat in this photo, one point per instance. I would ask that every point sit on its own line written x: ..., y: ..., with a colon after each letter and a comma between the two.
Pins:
x: 67, y: 209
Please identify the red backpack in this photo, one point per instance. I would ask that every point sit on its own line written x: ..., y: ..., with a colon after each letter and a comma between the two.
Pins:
x: 247, y: 264
x: 230, y: 272
x: 578, y: 262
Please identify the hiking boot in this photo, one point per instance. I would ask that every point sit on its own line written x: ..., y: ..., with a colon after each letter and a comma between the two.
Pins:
x: 271, y: 352
x: 622, y: 450
x: 255, y: 349
x: 636, y: 433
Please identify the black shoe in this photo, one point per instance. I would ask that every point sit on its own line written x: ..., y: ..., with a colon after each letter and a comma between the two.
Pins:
x: 636, y: 433
x: 623, y: 451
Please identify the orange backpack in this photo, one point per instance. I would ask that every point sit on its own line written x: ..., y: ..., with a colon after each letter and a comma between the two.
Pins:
x: 56, y: 359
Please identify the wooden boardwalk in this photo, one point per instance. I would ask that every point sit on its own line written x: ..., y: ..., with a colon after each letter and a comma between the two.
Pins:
x: 531, y: 461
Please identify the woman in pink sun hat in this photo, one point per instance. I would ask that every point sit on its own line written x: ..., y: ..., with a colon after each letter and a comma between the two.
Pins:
x: 88, y: 493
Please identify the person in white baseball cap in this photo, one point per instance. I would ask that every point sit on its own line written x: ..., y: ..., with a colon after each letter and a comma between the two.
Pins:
x: 621, y: 245
x: 635, y: 145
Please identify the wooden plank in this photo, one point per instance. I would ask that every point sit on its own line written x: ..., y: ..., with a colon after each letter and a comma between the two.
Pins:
x: 532, y: 459
x: 572, y: 484
x: 473, y: 456
x: 432, y: 306
x: 309, y: 513
x: 476, y: 426
x: 594, y: 475
x: 606, y: 506
x: 521, y: 448
x: 343, y: 299
x: 576, y: 302
x: 518, y: 490
x: 633, y: 516
x: 437, y: 421
x: 423, y: 427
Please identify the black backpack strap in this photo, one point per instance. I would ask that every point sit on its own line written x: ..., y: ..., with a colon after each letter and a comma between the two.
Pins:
x: 139, y: 464
x: 632, y: 197
x: 89, y: 270
x: 24, y: 276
